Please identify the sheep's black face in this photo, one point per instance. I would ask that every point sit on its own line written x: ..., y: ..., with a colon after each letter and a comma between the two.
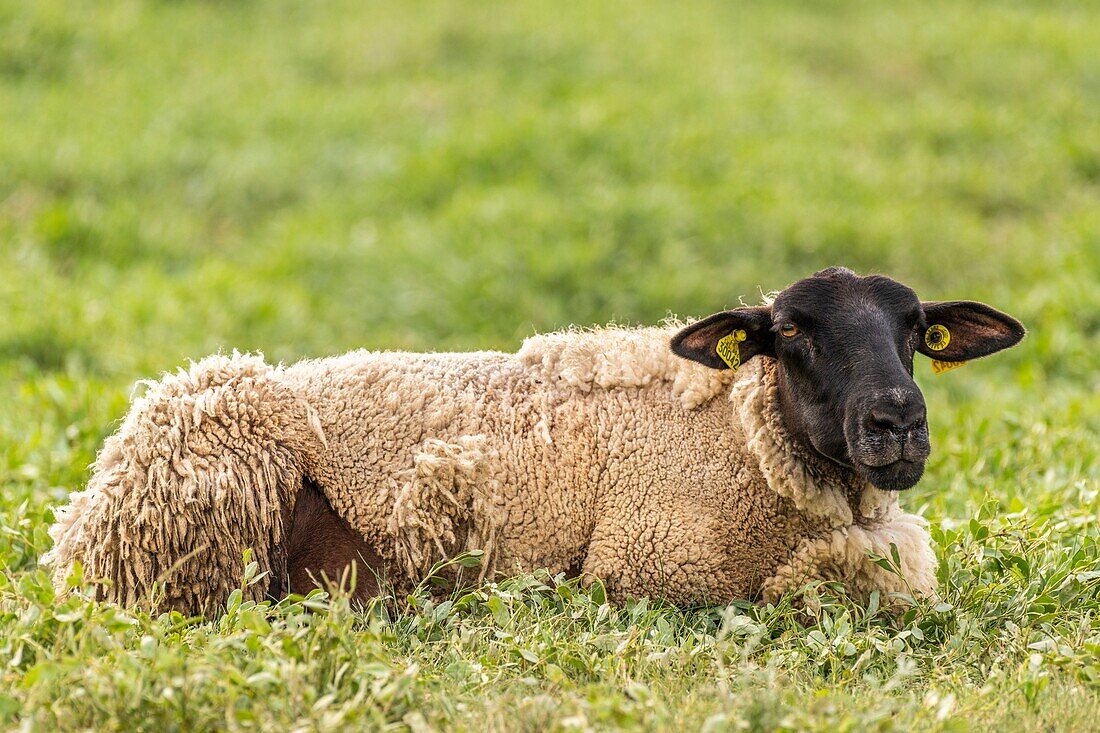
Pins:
x: 845, y: 346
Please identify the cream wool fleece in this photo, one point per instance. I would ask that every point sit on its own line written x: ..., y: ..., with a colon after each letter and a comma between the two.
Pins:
x: 596, y: 452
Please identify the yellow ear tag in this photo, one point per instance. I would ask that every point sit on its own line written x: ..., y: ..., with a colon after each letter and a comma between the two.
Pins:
x: 939, y: 367
x: 728, y: 349
x: 937, y: 337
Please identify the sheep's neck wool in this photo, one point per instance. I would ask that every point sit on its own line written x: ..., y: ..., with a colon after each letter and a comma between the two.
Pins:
x: 817, y: 486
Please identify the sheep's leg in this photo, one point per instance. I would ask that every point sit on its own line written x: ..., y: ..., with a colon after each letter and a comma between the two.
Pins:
x: 322, y: 548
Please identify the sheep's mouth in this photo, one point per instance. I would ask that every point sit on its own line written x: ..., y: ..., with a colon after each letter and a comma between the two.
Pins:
x: 897, y: 476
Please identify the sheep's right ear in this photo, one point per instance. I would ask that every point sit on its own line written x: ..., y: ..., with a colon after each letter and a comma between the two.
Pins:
x: 700, y: 341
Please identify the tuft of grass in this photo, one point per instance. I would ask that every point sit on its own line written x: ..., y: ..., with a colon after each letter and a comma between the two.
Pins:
x: 182, y: 177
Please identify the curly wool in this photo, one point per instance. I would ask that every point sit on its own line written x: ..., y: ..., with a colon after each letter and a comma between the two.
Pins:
x: 595, y: 452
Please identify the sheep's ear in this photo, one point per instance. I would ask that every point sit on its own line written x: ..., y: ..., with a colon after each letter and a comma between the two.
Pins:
x: 959, y: 330
x: 728, y: 339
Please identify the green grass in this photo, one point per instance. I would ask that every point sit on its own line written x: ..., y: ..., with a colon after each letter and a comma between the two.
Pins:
x: 298, y: 178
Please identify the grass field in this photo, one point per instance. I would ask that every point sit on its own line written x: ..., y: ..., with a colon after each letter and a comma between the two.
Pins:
x: 299, y: 178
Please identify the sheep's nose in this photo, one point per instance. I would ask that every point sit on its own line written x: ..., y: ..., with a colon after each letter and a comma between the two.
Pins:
x: 896, y: 413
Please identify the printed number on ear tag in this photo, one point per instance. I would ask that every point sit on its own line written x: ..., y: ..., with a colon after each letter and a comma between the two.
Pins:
x: 939, y: 367
x: 729, y: 349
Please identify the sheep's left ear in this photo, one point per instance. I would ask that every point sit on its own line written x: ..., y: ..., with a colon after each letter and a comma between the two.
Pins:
x: 959, y: 330
x: 738, y: 334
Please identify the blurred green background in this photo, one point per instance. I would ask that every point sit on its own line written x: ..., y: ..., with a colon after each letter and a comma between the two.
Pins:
x: 179, y: 177
x: 182, y: 177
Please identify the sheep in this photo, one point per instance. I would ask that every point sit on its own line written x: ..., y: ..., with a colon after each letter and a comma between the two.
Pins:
x: 735, y: 457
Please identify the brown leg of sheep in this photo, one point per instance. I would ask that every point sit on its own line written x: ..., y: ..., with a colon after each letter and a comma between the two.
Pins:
x: 322, y: 545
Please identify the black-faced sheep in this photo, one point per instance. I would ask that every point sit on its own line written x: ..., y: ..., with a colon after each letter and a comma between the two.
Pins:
x: 639, y: 456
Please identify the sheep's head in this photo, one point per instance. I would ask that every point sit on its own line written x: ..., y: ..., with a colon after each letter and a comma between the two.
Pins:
x: 845, y: 346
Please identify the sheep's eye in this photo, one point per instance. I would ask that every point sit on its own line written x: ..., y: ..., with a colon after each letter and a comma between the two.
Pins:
x: 788, y: 330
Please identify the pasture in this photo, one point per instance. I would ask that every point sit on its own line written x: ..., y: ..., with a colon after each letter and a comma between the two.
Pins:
x: 178, y: 178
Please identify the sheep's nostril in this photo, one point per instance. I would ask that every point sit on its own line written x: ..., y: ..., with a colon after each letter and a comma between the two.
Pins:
x: 883, y: 419
x: 881, y: 422
x: 895, y: 419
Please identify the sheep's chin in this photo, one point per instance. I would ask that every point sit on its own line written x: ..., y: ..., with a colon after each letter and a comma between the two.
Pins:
x: 897, y: 476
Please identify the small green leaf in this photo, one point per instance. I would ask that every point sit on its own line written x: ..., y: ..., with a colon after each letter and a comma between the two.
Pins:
x: 9, y: 706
